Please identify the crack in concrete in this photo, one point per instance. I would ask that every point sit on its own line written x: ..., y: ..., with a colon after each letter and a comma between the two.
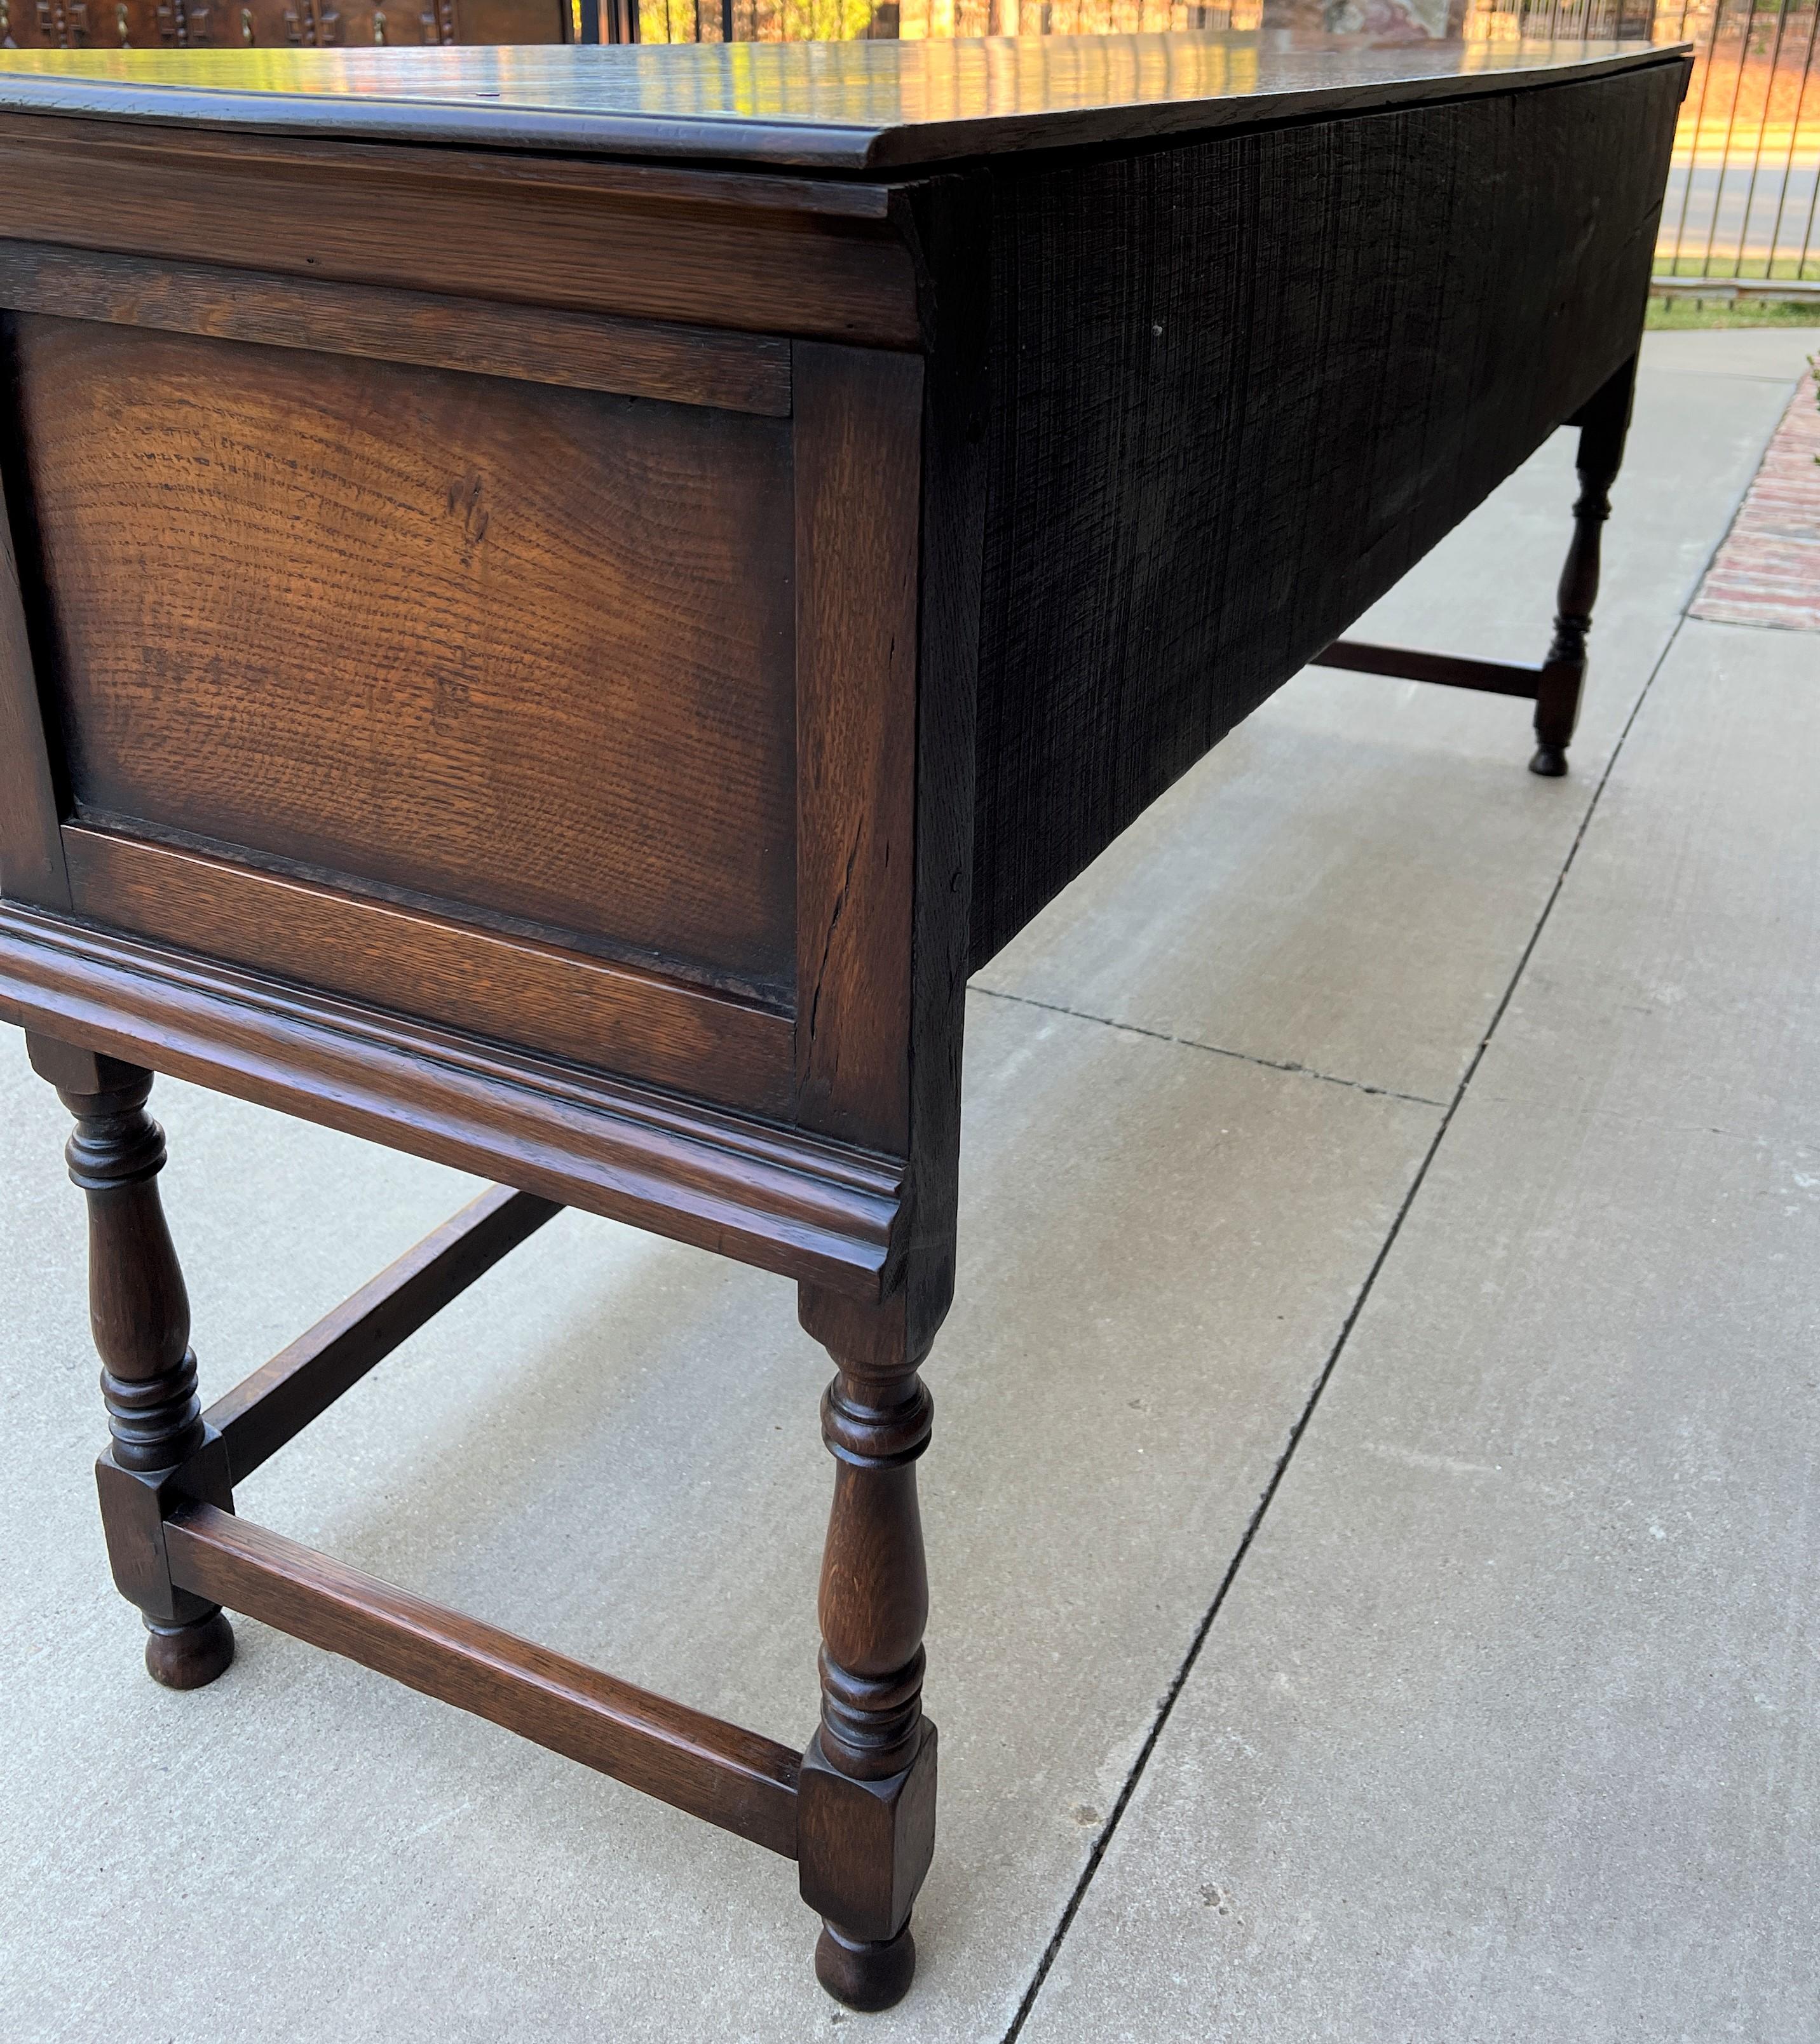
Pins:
x: 1215, y: 1049
x: 1166, y: 1706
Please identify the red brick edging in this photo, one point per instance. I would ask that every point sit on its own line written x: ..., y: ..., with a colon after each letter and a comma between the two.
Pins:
x: 1767, y: 571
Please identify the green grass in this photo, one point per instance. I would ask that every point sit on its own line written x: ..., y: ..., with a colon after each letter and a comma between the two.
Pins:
x: 1679, y: 314
x: 1751, y: 269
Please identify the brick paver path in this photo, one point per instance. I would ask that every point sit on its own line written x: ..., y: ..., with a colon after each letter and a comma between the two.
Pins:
x: 1767, y: 571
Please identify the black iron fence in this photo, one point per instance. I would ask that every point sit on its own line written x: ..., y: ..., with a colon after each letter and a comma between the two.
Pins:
x: 1742, y: 200
x: 1741, y: 197
x: 1744, y: 186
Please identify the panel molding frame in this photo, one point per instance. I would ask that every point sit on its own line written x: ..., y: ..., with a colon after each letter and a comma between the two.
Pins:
x: 859, y: 491
x: 758, y: 253
x: 604, y: 1016
x: 731, y: 372
x: 612, y: 771
x: 890, y: 511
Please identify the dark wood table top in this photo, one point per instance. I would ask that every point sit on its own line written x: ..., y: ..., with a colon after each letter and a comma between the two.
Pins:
x: 843, y: 106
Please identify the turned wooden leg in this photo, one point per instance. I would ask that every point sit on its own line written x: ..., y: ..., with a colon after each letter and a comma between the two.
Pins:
x: 865, y: 1804
x: 140, y: 1312
x: 1602, y: 422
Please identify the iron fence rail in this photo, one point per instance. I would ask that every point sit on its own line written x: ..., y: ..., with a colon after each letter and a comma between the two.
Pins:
x: 1741, y: 205
x: 1743, y: 202
x: 1742, y: 193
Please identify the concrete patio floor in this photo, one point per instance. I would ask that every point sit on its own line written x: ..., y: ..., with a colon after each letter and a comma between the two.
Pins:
x: 1372, y: 1511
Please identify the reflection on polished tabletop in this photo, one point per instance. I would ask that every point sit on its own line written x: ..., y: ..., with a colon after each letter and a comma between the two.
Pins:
x: 834, y: 106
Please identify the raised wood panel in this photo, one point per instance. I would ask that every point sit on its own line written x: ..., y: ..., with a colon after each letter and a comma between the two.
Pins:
x: 482, y: 647
x: 516, y: 993
x: 1242, y: 387
x: 633, y: 358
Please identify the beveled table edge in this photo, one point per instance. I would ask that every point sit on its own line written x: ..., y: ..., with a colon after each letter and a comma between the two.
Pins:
x: 805, y: 141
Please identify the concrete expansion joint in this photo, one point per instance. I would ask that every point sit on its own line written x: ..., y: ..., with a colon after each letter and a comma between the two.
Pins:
x: 1214, y: 1050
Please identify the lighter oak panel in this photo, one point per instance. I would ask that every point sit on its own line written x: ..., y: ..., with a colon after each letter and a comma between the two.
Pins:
x: 494, y: 647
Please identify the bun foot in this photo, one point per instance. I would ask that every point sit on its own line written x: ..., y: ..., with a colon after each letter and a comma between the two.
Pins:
x: 188, y: 1657
x: 865, y: 1977
x: 1550, y: 761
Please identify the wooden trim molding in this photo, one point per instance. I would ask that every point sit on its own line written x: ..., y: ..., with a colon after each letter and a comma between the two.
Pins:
x: 630, y: 358
x: 859, y: 475
x: 864, y: 107
x: 821, y: 1212
x: 563, y: 1002
x: 780, y: 190
x: 785, y: 256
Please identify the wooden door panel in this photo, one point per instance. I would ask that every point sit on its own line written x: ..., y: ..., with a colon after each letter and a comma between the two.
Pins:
x: 507, y: 652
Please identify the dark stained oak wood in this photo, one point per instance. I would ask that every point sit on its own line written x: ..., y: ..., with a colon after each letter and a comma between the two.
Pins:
x: 271, y: 25
x: 1242, y: 387
x: 1603, y: 422
x: 809, y: 1209
x: 139, y: 1311
x: 244, y: 545
x: 1556, y: 686
x: 952, y: 217
x: 866, y: 1976
x: 743, y: 1783
x: 139, y: 1308
x: 280, y: 1399
x: 858, y: 438
x: 31, y: 850
x: 767, y: 256
x: 503, y: 987
x: 555, y: 650
x: 661, y: 187
x: 1497, y: 677
x: 629, y: 358
x: 73, y: 1069
x: 866, y: 1829
x: 866, y: 105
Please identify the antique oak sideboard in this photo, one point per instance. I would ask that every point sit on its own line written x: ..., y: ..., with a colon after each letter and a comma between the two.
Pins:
x: 552, y: 628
